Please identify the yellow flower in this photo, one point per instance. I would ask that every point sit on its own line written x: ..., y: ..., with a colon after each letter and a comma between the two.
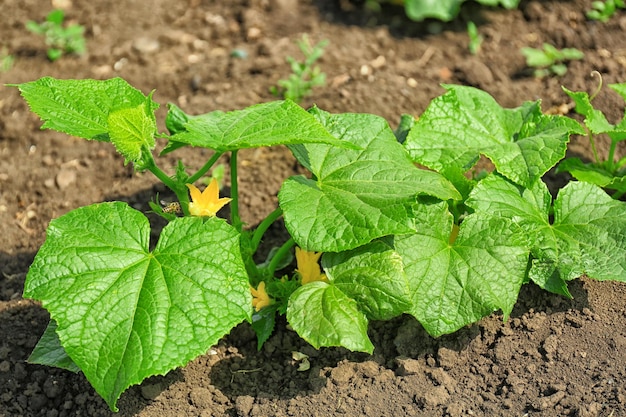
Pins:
x: 207, y: 202
x: 260, y: 297
x: 308, y: 266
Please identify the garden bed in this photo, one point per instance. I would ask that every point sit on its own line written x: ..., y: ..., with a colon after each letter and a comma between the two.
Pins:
x: 554, y: 356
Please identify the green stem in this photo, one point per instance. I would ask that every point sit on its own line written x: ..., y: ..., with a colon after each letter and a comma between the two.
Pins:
x: 205, y: 168
x: 234, y: 193
x: 280, y: 254
x: 165, y: 179
x: 262, y: 228
x: 610, y: 163
x: 593, y: 148
x: 181, y: 193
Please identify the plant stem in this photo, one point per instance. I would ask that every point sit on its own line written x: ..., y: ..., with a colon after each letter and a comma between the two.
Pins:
x: 621, y: 163
x: 280, y: 254
x: 593, y: 148
x: 610, y: 163
x: 262, y: 228
x: 181, y: 193
x: 234, y: 193
x: 205, y: 168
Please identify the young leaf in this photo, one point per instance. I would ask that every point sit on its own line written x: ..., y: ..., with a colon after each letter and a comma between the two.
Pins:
x: 358, y: 195
x: 593, y: 174
x: 50, y: 352
x: 522, y: 143
x: 263, y: 323
x: 619, y: 89
x: 620, y: 129
x: 594, y: 119
x: 324, y: 316
x: 586, y: 238
x: 458, y: 283
x: 82, y: 107
x: 132, y: 131
x: 125, y: 313
x: 373, y: 275
x: 267, y: 124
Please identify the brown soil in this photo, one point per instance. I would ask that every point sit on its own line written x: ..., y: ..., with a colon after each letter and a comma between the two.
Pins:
x: 554, y: 357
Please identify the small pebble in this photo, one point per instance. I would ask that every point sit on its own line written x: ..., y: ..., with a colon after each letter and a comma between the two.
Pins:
x: 146, y: 45
x: 65, y: 178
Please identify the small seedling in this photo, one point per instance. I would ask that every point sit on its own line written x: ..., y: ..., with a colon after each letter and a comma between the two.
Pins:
x: 604, y: 10
x: 6, y: 60
x: 475, y: 38
x: 60, y: 40
x: 550, y: 60
x: 304, y: 75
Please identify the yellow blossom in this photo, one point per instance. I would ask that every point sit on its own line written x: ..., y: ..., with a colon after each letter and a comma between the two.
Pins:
x: 308, y: 266
x: 260, y: 297
x: 208, y: 202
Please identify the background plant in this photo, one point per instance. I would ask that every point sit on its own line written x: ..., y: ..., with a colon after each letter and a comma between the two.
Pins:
x: 475, y: 38
x: 604, y: 10
x: 550, y: 60
x: 444, y: 10
x: 6, y: 59
x: 304, y: 75
x: 59, y: 39
x: 391, y: 238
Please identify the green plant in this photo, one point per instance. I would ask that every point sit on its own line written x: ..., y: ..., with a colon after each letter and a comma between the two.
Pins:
x: 376, y: 236
x: 608, y: 173
x: 550, y: 60
x: 304, y: 75
x: 6, y: 60
x: 475, y: 38
x: 59, y: 39
x: 444, y: 10
x: 604, y: 10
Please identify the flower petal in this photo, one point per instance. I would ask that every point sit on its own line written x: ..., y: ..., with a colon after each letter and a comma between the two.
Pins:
x: 195, y: 193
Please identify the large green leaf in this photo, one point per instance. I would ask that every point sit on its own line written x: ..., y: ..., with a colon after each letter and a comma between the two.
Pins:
x: 125, y: 313
x: 465, y: 122
x: 82, y: 107
x: 356, y: 195
x: 324, y: 316
x: 373, y: 275
x: 454, y: 284
x: 588, y: 236
x: 266, y: 124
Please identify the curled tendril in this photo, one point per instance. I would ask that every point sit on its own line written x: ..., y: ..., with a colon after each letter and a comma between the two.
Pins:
x: 595, y: 93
